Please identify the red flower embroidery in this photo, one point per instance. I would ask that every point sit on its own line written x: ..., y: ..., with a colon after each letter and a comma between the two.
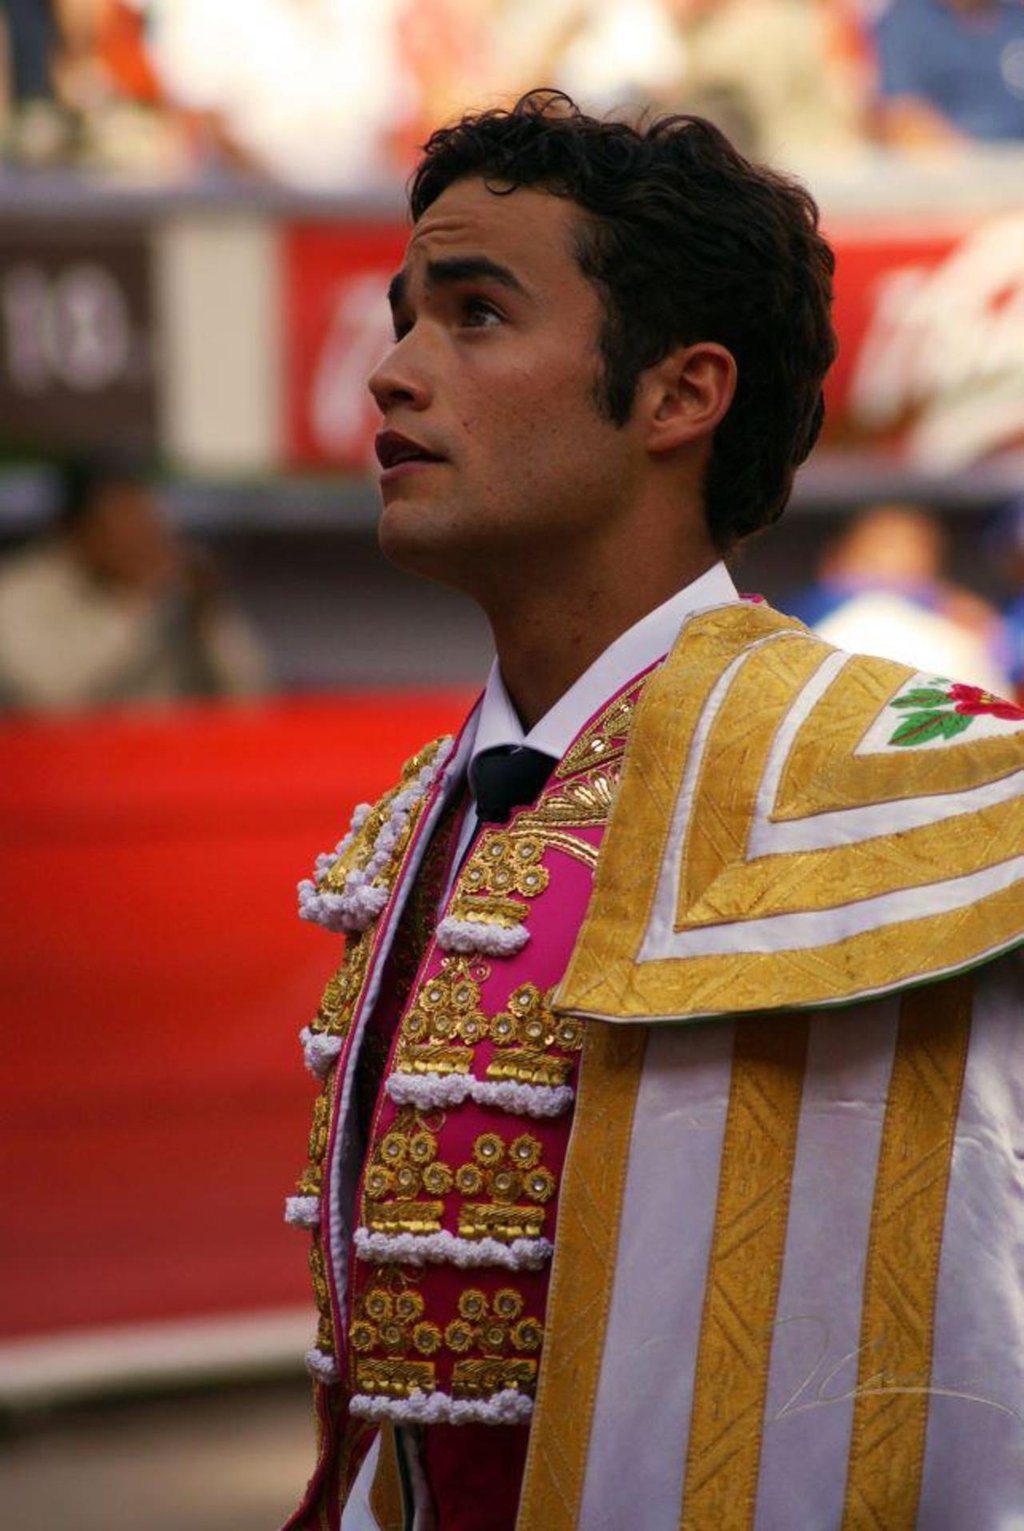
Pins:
x: 973, y: 701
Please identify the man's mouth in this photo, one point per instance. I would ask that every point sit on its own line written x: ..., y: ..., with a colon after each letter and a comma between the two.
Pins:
x: 395, y: 451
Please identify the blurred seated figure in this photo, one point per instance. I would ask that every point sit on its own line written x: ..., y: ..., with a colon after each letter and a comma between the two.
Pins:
x: 111, y: 608
x: 882, y: 591
x: 1006, y: 544
x: 950, y: 71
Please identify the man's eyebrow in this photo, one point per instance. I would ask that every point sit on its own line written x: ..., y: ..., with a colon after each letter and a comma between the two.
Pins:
x: 458, y: 268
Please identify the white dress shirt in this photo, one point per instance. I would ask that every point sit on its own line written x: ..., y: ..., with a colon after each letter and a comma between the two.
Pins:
x: 643, y: 644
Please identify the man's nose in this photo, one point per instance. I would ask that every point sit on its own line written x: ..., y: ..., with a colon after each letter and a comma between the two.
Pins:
x: 399, y: 378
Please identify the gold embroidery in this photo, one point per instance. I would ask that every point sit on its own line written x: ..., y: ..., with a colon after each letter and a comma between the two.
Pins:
x: 488, y: 1148
x: 744, y: 1273
x: 434, y: 1058
x: 494, y: 1327
x: 603, y: 740
x: 338, y: 1004
x: 527, y: 1067
x: 502, y: 866
x: 483, y: 1220
x: 482, y: 1379
x: 581, y: 1278
x: 604, y: 977
x: 524, y: 1151
x: 405, y: 1217
x: 394, y: 1379
x: 361, y: 849
x: 319, y: 1128
x: 890, y: 1411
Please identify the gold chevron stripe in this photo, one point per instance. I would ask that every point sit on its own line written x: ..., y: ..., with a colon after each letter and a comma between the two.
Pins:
x: 796, y: 882
x: 890, y: 1412
x: 735, y: 756
x: 823, y: 769
x: 744, y: 1275
x: 605, y: 980
x: 593, y: 1185
x: 386, y: 1489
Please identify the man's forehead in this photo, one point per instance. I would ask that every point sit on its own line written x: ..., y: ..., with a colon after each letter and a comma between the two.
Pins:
x: 503, y: 220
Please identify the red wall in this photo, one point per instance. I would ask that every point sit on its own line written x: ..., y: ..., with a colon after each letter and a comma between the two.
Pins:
x: 153, y: 978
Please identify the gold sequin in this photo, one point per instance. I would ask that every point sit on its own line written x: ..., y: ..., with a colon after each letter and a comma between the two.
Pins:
x: 488, y: 1149
x: 437, y: 1179
x: 378, y: 1182
x: 539, y: 1184
x: 427, y: 1338
x: 524, y: 1151
x: 458, y: 1335
x: 422, y: 1147
x: 472, y: 1304
x: 393, y: 1148
x: 504, y: 1185
x: 469, y: 1179
x: 408, y: 1306
x: 378, y: 1306
x: 527, y: 1334
x: 507, y: 1303
x: 362, y: 1336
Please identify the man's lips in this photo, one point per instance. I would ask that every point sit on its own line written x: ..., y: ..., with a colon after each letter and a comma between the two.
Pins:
x: 396, y: 452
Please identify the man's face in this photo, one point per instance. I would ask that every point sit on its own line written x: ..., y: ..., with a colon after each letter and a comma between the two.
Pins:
x: 494, y: 374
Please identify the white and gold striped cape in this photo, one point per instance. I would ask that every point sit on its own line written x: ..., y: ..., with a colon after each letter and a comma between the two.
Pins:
x: 788, y: 1283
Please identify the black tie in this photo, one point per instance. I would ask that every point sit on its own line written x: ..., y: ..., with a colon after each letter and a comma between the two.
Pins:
x: 504, y: 778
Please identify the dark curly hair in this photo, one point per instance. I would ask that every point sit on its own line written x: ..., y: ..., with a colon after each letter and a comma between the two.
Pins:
x: 686, y: 241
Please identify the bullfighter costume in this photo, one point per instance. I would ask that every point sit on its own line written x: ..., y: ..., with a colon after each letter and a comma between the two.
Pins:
x: 681, y: 1116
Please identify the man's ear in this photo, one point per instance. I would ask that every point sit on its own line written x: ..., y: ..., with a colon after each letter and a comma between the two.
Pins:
x: 684, y: 397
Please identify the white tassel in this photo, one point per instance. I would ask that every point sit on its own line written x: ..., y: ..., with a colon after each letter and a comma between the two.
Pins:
x: 469, y: 936
x: 505, y: 1408
x: 321, y: 1366
x: 302, y: 1211
x: 319, y: 1050
x: 446, y: 1248
x: 430, y: 1091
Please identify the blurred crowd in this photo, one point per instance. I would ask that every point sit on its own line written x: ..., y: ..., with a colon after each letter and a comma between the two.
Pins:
x: 110, y: 606
x: 338, y: 93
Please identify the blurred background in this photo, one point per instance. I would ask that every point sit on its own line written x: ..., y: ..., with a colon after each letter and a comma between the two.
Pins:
x: 204, y: 663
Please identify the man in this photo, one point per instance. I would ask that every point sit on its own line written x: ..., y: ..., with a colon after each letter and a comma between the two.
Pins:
x: 111, y: 608
x: 772, y: 1277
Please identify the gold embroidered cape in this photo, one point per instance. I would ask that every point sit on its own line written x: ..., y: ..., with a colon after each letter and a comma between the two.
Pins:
x: 797, y: 826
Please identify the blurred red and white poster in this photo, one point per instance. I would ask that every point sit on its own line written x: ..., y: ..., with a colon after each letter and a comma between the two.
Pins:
x: 337, y: 325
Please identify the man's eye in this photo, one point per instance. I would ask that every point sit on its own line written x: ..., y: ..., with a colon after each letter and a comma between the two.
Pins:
x: 478, y: 313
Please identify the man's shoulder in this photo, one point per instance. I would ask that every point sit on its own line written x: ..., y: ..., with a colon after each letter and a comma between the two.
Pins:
x: 351, y: 883
x: 827, y: 728
x: 796, y: 825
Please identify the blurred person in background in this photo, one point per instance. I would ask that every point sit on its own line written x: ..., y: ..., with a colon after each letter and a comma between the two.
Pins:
x: 1006, y: 543
x: 883, y: 589
x: 784, y: 78
x: 37, y: 131
x: 579, y: 1262
x: 111, y: 608
x: 949, y: 72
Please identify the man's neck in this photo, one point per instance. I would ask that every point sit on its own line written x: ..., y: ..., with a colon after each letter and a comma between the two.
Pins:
x: 547, y: 640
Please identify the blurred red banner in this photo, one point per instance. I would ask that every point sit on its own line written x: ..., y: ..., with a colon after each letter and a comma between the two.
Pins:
x: 153, y: 1102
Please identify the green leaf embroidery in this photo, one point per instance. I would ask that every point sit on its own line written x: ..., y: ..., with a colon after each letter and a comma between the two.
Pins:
x: 954, y: 723
x: 922, y: 697
x: 920, y: 727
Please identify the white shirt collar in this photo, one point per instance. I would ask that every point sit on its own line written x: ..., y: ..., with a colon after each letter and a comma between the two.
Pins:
x: 641, y: 645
